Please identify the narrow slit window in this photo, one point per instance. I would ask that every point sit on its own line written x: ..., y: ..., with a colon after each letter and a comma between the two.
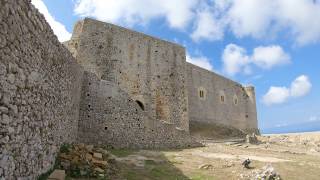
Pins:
x: 222, y: 98
x: 140, y: 104
x: 201, y: 94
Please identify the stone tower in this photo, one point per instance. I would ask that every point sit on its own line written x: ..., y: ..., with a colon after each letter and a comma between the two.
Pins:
x: 251, y: 110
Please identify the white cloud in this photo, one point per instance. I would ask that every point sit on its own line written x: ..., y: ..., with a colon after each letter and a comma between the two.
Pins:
x: 263, y: 18
x: 301, y: 86
x: 207, y: 27
x: 276, y: 95
x: 236, y: 60
x: 314, y: 118
x: 58, y: 28
x: 281, y: 125
x: 178, y: 13
x: 269, y: 56
x: 200, y: 61
x: 211, y: 19
x: 299, y: 16
x: 250, y: 17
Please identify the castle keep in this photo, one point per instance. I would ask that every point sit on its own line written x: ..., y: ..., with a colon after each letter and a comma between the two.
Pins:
x: 107, y: 85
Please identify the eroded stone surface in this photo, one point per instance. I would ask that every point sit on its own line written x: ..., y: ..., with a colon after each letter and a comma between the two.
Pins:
x: 39, y: 92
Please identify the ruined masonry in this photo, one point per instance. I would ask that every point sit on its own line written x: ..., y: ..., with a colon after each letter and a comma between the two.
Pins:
x: 107, y: 85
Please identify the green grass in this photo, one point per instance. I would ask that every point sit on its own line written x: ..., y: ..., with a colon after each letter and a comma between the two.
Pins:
x: 201, y: 177
x: 121, y: 152
x: 153, y: 170
x: 65, y: 148
x: 132, y: 175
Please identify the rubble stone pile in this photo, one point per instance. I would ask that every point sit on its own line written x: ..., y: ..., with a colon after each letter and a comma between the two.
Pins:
x: 267, y: 173
x: 82, y: 160
x: 252, y: 139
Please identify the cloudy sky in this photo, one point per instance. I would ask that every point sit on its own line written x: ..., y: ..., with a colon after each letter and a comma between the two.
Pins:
x: 271, y: 44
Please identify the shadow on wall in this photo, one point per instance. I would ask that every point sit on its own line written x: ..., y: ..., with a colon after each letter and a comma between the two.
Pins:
x: 214, y: 131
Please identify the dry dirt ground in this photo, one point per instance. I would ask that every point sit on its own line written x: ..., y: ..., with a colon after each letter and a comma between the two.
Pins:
x: 293, y: 156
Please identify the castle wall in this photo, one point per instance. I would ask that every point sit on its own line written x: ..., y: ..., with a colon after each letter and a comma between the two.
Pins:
x: 149, y: 70
x: 109, y: 116
x: 134, y: 92
x: 39, y: 92
x: 222, y: 102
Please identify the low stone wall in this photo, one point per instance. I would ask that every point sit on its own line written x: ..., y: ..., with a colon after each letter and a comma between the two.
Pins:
x: 109, y: 116
x: 39, y: 92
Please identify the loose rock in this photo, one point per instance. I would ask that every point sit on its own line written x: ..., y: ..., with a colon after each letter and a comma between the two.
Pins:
x: 252, y: 139
x: 206, y: 167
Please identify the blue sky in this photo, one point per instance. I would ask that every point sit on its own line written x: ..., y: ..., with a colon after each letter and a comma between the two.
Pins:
x: 273, y: 45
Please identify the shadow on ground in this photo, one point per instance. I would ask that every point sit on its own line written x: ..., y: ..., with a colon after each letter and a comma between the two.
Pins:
x: 203, y: 130
x: 145, y: 165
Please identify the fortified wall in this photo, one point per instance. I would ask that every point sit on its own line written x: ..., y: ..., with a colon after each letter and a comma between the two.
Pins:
x: 48, y: 98
x: 40, y: 88
x: 216, y: 100
x: 117, y: 87
x: 151, y: 71
x: 134, y: 92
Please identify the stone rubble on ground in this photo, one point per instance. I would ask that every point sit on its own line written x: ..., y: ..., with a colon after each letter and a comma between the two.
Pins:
x: 228, y: 164
x: 84, y: 159
x: 252, y: 139
x: 206, y: 166
x: 268, y: 173
x: 265, y: 173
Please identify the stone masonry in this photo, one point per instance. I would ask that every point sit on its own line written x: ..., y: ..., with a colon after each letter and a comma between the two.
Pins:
x: 106, y: 86
x: 150, y: 70
x: 224, y: 101
x: 40, y: 88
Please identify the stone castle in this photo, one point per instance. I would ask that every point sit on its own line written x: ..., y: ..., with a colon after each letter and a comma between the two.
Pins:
x: 108, y: 85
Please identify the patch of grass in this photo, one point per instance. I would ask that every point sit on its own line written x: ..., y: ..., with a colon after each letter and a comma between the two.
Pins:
x: 202, y: 177
x: 153, y: 170
x: 121, y: 152
x: 132, y: 175
x: 163, y: 171
x: 65, y: 148
x: 150, y: 162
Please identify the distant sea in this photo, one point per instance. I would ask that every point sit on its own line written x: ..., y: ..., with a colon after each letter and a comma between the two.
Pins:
x: 293, y: 128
